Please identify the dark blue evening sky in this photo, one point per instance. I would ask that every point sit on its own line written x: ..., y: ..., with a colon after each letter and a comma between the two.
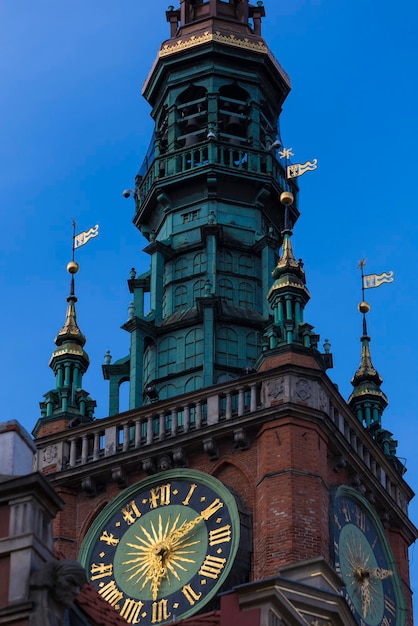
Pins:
x: 73, y: 132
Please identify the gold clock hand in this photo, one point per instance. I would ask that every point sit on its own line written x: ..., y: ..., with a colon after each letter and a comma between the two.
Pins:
x: 366, y: 597
x: 381, y: 573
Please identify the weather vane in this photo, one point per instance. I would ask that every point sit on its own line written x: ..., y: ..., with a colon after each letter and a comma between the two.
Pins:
x: 295, y: 170
x: 78, y: 241
x: 369, y: 281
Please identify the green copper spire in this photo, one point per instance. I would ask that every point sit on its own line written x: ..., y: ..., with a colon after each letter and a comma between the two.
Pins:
x: 367, y: 400
x: 68, y: 402
x: 288, y: 297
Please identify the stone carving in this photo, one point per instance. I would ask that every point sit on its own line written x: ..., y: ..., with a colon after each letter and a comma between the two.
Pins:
x: 53, y: 588
x: 164, y: 463
x: 241, y: 439
x: 119, y: 476
x: 274, y: 389
x: 211, y: 448
x: 50, y: 455
x: 89, y: 486
x: 303, y: 389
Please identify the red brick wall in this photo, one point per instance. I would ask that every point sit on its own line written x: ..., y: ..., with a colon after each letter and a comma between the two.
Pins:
x: 291, y: 521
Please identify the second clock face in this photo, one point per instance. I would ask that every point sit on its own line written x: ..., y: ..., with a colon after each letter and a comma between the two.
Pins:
x: 163, y: 548
x: 365, y: 562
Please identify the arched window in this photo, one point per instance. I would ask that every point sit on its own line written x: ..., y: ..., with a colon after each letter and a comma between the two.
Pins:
x: 228, y: 347
x: 149, y: 363
x: 199, y: 263
x: 253, y: 347
x: 245, y: 265
x: 192, y: 116
x: 180, y: 297
x: 167, y: 356
x: 167, y: 391
x: 246, y: 295
x: 194, y: 348
x: 198, y: 290
x: 195, y: 382
x: 180, y: 268
x: 226, y: 290
x: 225, y: 261
x: 233, y: 113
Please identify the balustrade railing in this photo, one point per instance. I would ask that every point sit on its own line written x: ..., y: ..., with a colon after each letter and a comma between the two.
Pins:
x: 230, y: 156
x: 149, y: 426
x: 169, y: 420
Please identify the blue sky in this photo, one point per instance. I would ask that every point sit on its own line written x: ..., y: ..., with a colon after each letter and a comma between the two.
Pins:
x: 74, y: 129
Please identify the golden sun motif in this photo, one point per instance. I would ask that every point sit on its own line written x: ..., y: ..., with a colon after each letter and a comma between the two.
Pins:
x: 363, y: 577
x: 164, y: 550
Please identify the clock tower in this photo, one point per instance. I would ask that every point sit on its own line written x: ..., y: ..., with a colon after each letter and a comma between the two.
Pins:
x: 239, y: 483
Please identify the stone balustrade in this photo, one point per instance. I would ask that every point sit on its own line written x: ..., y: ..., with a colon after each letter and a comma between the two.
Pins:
x: 237, y: 402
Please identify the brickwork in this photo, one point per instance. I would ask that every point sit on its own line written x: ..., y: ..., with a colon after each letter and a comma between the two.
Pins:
x: 51, y: 428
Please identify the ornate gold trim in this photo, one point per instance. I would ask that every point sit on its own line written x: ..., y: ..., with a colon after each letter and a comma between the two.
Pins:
x: 229, y: 40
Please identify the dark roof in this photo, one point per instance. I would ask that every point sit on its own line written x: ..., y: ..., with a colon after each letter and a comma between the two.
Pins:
x: 207, y: 619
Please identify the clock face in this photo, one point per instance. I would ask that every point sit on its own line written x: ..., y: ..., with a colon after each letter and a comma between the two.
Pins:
x: 163, y: 548
x: 365, y: 562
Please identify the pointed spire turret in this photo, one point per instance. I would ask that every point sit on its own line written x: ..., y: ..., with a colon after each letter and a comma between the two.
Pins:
x: 68, y: 404
x: 70, y: 330
x: 288, y: 297
x: 367, y: 399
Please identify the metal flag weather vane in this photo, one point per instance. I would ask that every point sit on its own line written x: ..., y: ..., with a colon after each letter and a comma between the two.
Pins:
x: 367, y: 282
x: 297, y: 169
x: 82, y: 238
x: 374, y: 280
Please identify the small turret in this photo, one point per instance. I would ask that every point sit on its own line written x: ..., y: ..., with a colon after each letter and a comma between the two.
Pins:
x: 67, y: 405
x: 367, y: 400
x: 288, y: 297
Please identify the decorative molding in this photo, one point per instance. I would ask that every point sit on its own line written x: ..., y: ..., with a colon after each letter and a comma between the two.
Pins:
x: 89, y: 486
x: 211, y: 448
x: 197, y: 40
x: 241, y: 439
x: 303, y: 389
x: 119, y: 476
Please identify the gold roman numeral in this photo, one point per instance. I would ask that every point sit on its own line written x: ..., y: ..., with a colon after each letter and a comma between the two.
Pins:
x: 130, y: 513
x: 100, y: 571
x: 346, y: 512
x: 212, y: 566
x: 390, y: 606
x: 160, y: 496
x: 111, y: 593
x: 361, y: 520
x: 159, y: 611
x: 220, y: 535
x: 131, y: 610
x: 191, y: 596
x: 109, y: 539
x: 211, y: 509
x: 189, y: 495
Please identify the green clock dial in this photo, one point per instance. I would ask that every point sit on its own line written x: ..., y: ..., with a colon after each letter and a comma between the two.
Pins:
x: 365, y: 562
x: 163, y: 548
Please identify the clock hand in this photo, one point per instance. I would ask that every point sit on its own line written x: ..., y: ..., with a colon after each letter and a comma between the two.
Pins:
x: 380, y: 573
x: 157, y: 570
x: 366, y: 597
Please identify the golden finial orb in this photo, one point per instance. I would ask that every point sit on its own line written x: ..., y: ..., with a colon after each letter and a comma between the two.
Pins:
x: 286, y: 197
x: 72, y: 267
x: 364, y: 307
